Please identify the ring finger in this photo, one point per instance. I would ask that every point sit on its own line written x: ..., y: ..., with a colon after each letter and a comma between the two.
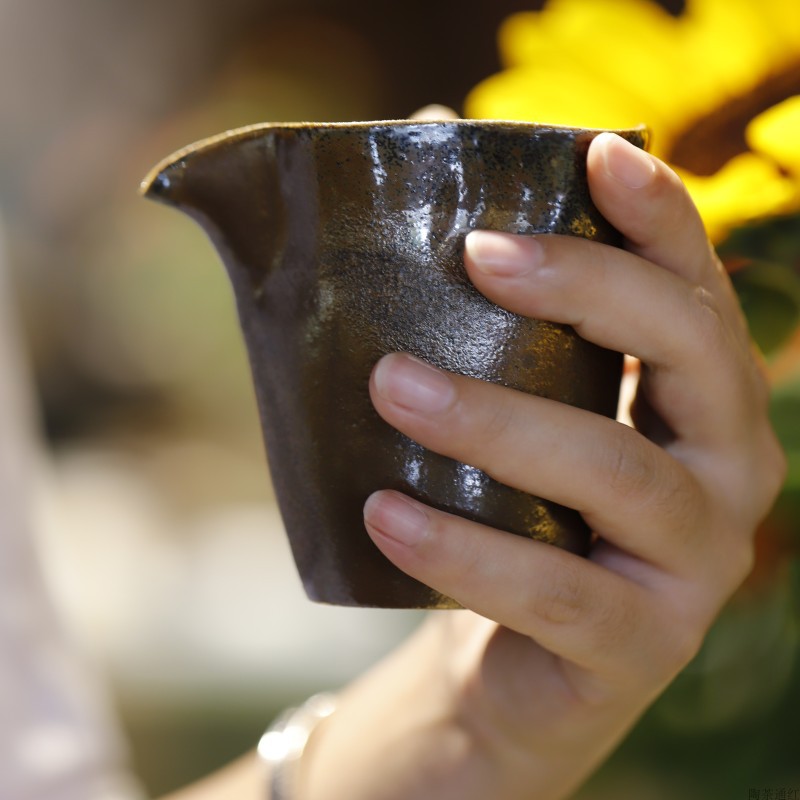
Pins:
x: 578, y: 610
x: 625, y: 486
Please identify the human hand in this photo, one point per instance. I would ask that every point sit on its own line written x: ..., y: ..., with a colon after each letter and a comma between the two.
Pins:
x: 527, y: 695
x: 434, y: 111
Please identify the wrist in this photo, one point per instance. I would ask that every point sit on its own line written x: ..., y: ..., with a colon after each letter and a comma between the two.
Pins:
x: 286, y: 742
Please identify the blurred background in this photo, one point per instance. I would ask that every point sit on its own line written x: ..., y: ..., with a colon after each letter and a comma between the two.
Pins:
x: 159, y: 532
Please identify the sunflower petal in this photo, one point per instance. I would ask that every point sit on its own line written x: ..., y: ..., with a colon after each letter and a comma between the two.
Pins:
x: 776, y: 133
x: 738, y: 41
x: 559, y: 94
x: 747, y: 188
x: 634, y: 44
x: 617, y: 63
x: 783, y: 19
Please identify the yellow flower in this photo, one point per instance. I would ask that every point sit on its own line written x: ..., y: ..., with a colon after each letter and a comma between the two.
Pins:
x: 719, y: 87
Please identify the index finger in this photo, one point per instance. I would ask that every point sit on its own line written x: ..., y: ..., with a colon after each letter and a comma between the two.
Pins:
x: 648, y: 203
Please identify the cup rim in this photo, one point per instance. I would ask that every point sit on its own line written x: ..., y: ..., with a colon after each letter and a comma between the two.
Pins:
x: 247, y: 131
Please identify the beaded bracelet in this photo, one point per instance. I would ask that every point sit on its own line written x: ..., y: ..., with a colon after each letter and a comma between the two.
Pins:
x: 282, y: 745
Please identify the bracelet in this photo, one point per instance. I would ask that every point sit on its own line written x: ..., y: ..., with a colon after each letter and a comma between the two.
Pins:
x: 282, y: 745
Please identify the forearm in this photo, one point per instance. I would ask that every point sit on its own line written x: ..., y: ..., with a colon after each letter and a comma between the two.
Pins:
x: 394, y: 733
x: 418, y: 725
x: 390, y: 726
x: 244, y: 779
x: 427, y: 723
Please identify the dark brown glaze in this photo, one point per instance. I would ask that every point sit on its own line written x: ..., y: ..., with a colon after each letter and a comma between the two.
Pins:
x: 345, y: 242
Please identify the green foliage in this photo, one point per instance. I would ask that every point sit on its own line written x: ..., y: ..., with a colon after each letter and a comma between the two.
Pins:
x: 770, y: 297
x: 769, y: 286
x: 785, y: 414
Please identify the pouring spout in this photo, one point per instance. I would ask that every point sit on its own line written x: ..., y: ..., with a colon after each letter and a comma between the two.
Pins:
x: 193, y: 175
x: 166, y: 182
x: 211, y: 180
x: 228, y: 185
x: 160, y: 184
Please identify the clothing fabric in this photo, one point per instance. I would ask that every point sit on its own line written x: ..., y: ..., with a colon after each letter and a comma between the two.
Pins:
x: 59, y: 739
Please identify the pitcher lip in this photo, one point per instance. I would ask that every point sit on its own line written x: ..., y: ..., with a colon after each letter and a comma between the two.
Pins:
x: 151, y: 181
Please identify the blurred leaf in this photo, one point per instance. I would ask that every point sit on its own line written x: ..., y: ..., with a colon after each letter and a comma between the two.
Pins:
x: 776, y: 240
x: 785, y: 415
x: 794, y: 584
x: 756, y: 636
x: 769, y: 287
x: 770, y: 297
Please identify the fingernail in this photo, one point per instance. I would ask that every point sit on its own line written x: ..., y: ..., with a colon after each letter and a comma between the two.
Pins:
x: 626, y: 163
x: 503, y: 254
x: 396, y: 517
x: 413, y: 384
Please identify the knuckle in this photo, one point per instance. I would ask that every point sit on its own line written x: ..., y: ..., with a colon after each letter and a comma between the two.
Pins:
x: 755, y: 479
x: 615, y: 621
x: 759, y: 385
x: 707, y: 318
x: 449, y: 554
x: 673, y: 201
x: 641, y: 479
x: 734, y: 563
x: 499, y: 420
x: 685, y: 646
x: 562, y: 600
x: 683, y: 634
x: 629, y: 476
x: 776, y: 466
x: 743, y: 561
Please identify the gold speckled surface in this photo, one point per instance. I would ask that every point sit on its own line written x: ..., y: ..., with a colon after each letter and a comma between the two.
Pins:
x: 345, y: 242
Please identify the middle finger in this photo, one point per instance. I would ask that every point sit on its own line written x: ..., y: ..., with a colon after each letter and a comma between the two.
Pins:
x: 698, y: 367
x: 628, y: 490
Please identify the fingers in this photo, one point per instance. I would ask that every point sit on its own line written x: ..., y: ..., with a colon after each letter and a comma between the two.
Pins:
x: 628, y: 489
x: 434, y: 112
x: 665, y: 300
x: 646, y: 201
x: 572, y: 607
x: 699, y: 373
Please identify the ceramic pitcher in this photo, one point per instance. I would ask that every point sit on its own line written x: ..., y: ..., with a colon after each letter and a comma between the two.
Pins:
x: 344, y: 242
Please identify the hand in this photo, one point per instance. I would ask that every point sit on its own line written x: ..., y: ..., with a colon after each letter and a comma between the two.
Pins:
x: 527, y: 695
x: 434, y: 111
